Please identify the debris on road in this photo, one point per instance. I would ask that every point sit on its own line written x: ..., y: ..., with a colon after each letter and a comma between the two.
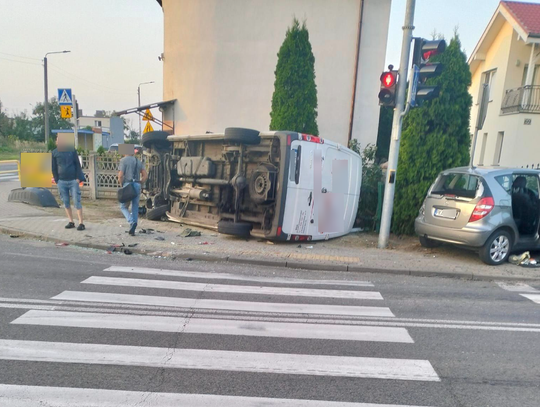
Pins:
x: 61, y: 244
x: 159, y: 238
x: 189, y: 233
x: 14, y: 236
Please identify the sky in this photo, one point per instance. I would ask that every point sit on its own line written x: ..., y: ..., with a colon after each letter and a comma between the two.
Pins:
x: 115, y: 45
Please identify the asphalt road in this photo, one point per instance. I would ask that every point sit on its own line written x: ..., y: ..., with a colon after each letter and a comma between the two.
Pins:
x: 10, y: 176
x: 74, y: 332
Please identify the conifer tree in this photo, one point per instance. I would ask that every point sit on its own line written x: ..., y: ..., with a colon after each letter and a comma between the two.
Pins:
x: 435, y: 137
x: 294, y: 102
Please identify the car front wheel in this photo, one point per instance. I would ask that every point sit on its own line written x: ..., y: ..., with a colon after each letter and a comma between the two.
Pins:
x: 497, y: 248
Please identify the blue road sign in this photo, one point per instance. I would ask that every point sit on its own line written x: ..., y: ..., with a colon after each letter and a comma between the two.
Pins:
x: 64, y: 97
x: 414, y: 89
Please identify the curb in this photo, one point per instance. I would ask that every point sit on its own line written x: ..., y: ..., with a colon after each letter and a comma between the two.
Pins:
x: 281, y: 262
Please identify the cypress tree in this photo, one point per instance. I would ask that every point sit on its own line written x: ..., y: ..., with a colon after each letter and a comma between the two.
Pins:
x: 435, y: 137
x: 294, y: 102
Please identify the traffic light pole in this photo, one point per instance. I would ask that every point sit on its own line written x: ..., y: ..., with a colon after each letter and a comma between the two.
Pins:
x: 389, y: 190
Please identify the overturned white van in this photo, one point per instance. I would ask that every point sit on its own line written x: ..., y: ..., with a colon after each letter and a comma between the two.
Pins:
x: 276, y: 185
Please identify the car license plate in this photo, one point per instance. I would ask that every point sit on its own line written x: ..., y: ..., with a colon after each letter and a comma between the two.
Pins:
x: 445, y: 213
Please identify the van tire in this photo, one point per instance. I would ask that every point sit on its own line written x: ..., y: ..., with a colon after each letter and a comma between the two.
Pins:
x: 242, y: 136
x: 429, y: 243
x: 156, y: 139
x: 227, y: 227
x: 501, y: 242
x: 157, y: 213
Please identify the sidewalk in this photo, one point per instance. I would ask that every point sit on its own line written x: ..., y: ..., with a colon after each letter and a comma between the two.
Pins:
x: 106, y: 227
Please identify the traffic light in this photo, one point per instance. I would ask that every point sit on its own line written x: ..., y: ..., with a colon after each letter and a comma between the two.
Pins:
x: 387, y: 94
x: 423, y: 51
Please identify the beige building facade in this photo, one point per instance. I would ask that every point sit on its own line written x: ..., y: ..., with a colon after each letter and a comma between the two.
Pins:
x: 220, y: 56
x: 506, y: 63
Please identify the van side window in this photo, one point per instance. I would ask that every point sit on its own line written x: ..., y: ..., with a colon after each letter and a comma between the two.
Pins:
x: 292, y: 165
x: 505, y: 181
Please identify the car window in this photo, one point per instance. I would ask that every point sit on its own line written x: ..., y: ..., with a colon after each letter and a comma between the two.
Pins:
x: 457, y: 184
x: 532, y: 182
x: 505, y: 181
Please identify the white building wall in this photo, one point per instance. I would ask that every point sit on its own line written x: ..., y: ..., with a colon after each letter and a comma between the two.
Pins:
x: 375, y: 24
x: 220, y: 57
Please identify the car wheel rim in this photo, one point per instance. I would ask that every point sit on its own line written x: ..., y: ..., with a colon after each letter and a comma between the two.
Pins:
x: 499, y: 248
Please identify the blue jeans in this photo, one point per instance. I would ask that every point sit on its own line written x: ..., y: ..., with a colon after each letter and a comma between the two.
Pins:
x: 133, y: 216
x: 67, y: 188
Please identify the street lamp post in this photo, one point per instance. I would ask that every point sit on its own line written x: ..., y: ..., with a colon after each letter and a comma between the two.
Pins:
x: 47, y: 93
x: 139, y: 101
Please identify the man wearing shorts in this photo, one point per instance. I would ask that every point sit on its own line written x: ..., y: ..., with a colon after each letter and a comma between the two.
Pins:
x: 67, y: 173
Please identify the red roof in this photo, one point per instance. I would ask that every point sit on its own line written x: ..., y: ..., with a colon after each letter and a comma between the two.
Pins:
x: 526, y: 14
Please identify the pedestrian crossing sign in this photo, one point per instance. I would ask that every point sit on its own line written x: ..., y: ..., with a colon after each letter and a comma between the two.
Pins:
x: 148, y: 128
x: 66, y: 112
x: 64, y: 97
x: 148, y: 116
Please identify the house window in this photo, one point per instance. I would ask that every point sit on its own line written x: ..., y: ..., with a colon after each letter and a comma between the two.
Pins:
x: 97, y: 123
x: 536, y: 75
x: 498, y: 148
x: 483, y: 149
x: 487, y: 78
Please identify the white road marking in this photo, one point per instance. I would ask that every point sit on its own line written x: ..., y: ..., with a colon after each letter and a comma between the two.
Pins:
x: 517, y: 287
x: 239, y: 277
x: 31, y: 396
x: 231, y: 361
x: 533, y: 297
x: 9, y: 178
x: 225, y: 304
x: 214, y: 326
x: 236, y: 289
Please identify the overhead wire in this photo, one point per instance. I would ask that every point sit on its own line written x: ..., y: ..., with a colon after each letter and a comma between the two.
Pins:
x: 75, y: 77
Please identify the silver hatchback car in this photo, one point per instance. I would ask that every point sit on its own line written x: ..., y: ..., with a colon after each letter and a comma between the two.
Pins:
x: 494, y: 209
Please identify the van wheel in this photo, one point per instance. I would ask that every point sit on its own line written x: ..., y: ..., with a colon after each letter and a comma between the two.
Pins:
x: 242, y: 136
x: 497, y: 248
x: 156, y: 139
x: 236, y: 229
x: 157, y: 213
x: 429, y: 243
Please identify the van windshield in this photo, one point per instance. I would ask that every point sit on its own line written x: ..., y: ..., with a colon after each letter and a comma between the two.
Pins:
x: 456, y: 184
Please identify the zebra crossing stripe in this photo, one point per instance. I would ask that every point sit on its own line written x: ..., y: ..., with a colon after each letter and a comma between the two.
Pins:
x: 517, y: 287
x: 217, y: 360
x: 192, y: 303
x: 227, y: 276
x: 533, y: 297
x: 214, y: 326
x: 233, y: 289
x: 31, y: 396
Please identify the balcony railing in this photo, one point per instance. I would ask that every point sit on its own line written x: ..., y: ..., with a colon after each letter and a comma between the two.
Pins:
x: 522, y: 100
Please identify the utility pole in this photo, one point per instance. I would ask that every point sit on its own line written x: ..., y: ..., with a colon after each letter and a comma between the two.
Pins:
x: 76, y: 122
x: 139, y: 103
x: 389, y: 190
x: 46, y: 101
x: 46, y: 82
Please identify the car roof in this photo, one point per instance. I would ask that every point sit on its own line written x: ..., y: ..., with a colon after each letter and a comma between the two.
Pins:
x: 491, y: 170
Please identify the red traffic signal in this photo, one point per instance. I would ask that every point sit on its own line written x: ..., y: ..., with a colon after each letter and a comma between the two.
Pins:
x: 388, y: 79
x: 387, y: 94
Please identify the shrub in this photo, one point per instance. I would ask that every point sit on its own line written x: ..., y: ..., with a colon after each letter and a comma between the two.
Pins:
x: 369, y: 192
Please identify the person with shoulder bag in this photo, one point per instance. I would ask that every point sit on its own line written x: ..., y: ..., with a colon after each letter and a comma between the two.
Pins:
x: 131, y: 176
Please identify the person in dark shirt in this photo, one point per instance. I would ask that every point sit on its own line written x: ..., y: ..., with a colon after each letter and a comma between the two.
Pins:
x: 67, y: 173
